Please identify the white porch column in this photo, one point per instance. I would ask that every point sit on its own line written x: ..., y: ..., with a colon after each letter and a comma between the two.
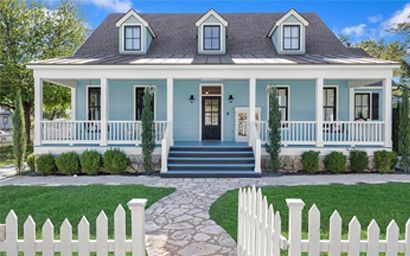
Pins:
x: 319, y: 112
x: 104, y: 112
x: 170, y: 107
x: 252, y: 99
x: 73, y: 103
x: 387, y: 92
x: 38, y: 109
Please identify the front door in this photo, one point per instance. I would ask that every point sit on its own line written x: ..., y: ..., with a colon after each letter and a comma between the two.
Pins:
x: 211, y: 117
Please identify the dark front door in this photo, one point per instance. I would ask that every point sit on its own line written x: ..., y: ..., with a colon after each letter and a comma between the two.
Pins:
x: 211, y: 117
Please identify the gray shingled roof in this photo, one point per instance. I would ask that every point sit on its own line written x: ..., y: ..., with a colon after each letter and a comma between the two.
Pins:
x: 247, y: 43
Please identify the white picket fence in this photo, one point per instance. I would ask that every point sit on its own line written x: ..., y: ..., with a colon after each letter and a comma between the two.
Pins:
x: 66, y: 245
x: 259, y: 231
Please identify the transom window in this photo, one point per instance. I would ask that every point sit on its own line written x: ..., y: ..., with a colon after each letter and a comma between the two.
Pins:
x: 94, y: 103
x: 366, y: 106
x: 139, y: 102
x: 212, y: 37
x: 291, y: 37
x: 329, y: 104
x: 132, y: 38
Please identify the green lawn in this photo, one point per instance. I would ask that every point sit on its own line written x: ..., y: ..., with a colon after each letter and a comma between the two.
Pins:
x: 381, y: 202
x: 72, y: 202
x: 6, y: 154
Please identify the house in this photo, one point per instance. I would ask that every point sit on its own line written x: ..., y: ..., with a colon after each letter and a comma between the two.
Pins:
x: 211, y: 73
x: 6, y: 122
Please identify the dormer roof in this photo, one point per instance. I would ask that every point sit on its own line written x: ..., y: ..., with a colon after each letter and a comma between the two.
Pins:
x: 285, y: 17
x: 209, y: 13
x: 133, y: 13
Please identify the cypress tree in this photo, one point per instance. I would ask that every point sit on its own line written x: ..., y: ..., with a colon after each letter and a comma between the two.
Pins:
x: 147, y: 123
x: 273, y: 146
x: 404, y: 130
x: 19, y: 133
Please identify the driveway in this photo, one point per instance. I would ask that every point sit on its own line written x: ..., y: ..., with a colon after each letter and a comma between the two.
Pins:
x: 180, y: 224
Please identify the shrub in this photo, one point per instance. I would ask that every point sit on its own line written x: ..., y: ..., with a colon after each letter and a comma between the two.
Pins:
x: 90, y: 161
x: 67, y: 163
x: 31, y: 162
x: 45, y: 164
x: 310, y: 161
x: 385, y: 160
x: 358, y: 160
x: 335, y: 162
x: 115, y: 161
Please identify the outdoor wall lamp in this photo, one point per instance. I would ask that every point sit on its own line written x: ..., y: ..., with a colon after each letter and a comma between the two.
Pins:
x: 192, y: 98
x: 230, y: 98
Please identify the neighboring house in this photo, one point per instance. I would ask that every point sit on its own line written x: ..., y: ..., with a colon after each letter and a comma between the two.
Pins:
x: 5, y: 119
x: 211, y: 73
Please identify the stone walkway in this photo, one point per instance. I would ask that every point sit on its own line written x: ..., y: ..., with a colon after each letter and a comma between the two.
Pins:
x: 179, y: 224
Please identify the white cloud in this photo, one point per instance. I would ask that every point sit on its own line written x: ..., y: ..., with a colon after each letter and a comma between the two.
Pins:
x: 114, y: 5
x: 357, y: 30
x: 375, y: 18
x: 399, y: 16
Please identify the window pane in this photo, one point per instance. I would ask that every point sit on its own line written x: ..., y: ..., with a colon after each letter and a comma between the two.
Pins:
x: 215, y: 43
x: 282, y: 114
x: 287, y: 31
x: 287, y: 43
x: 128, y: 44
x: 215, y: 32
x: 330, y: 98
x: 328, y: 114
x: 365, y: 111
x: 208, y: 32
x: 208, y: 120
x: 215, y: 119
x: 137, y: 44
x: 295, y: 31
x: 358, y: 100
x: 137, y: 32
x: 208, y: 44
x: 295, y: 43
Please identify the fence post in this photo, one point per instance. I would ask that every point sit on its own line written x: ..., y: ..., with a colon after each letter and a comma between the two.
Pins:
x: 2, y: 232
x: 137, y: 208
x: 295, y: 207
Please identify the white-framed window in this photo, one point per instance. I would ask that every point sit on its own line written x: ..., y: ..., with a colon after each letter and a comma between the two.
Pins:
x: 283, y: 100
x: 291, y: 37
x: 132, y: 38
x: 366, y: 106
x: 93, y: 103
x: 139, y: 92
x: 330, y: 104
x: 212, y: 37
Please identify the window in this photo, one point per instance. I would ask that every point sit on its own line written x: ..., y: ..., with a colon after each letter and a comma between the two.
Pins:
x: 329, y: 104
x: 283, y: 100
x: 132, y: 38
x: 212, y: 37
x: 139, y: 102
x: 94, y: 103
x: 366, y: 106
x: 291, y: 37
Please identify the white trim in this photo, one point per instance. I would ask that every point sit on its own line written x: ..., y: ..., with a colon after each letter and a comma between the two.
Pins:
x: 283, y: 35
x: 38, y: 109
x: 142, y: 38
x: 222, y: 106
x: 222, y: 46
x: 387, y: 118
x: 155, y: 100
x: 73, y: 103
x: 319, y: 85
x: 138, y: 17
x: 245, y: 110
x: 104, y: 111
x: 86, y: 99
x: 267, y: 99
x: 287, y: 15
x: 211, y: 12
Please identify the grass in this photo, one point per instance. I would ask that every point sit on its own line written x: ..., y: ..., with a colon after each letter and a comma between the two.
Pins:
x: 382, y: 202
x: 7, y: 157
x: 73, y: 202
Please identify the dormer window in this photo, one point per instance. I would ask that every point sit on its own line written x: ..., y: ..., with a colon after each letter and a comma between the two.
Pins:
x: 291, y: 37
x: 212, y: 37
x: 132, y: 38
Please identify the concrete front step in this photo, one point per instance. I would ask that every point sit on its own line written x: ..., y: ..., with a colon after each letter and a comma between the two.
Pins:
x: 210, y: 174
x: 207, y: 153
x: 211, y: 148
x: 212, y: 160
x: 208, y: 166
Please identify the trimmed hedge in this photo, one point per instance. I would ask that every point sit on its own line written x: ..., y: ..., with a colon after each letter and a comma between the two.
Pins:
x: 31, y: 162
x: 67, y: 163
x: 336, y: 162
x: 115, y: 161
x: 358, y: 160
x: 385, y: 161
x: 45, y: 164
x: 310, y: 161
x: 90, y: 161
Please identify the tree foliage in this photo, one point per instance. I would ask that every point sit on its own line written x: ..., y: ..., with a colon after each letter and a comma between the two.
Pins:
x: 273, y: 147
x: 147, y: 123
x: 30, y: 31
x: 19, y: 134
x: 404, y: 130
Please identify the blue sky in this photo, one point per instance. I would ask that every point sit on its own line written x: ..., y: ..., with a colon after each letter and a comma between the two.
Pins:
x: 361, y: 19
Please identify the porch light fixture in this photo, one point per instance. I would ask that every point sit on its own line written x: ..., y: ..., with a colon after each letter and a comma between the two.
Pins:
x: 192, y: 98
x: 231, y: 98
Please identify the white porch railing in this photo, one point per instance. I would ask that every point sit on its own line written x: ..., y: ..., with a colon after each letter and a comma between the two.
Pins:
x: 83, y: 132
x: 255, y: 142
x: 335, y: 132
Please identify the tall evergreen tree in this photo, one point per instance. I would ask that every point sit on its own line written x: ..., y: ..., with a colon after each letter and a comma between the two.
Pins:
x: 404, y: 130
x: 147, y: 123
x: 19, y: 133
x: 274, y: 130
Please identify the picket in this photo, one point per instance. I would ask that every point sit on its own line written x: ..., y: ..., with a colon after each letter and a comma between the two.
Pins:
x: 260, y: 225
x: 84, y: 245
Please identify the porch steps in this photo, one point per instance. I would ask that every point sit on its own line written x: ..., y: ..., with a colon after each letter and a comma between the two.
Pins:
x: 214, y: 160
